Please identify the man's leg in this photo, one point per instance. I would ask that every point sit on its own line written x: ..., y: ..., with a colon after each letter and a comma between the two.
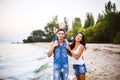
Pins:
x: 56, y: 73
x: 65, y: 71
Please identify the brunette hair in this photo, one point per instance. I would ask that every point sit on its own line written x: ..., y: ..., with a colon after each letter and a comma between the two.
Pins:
x: 60, y: 30
x: 83, y: 42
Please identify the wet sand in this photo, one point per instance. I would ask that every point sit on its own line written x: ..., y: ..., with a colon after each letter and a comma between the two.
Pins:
x: 102, y: 61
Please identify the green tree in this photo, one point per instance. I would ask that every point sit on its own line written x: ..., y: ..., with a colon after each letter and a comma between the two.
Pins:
x: 49, y: 28
x: 112, y: 18
x: 76, y: 24
x: 38, y: 34
x: 116, y: 40
x: 98, y: 30
x: 95, y: 34
x: 30, y: 39
x: 89, y: 34
x: 89, y: 20
x: 109, y: 8
x: 55, y: 21
x: 49, y: 31
x: 66, y: 23
x: 100, y: 18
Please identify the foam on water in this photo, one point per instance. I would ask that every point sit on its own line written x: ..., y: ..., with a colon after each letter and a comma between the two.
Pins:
x: 20, y: 61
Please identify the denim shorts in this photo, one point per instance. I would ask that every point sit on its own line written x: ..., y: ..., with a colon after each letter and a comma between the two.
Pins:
x: 60, y: 72
x: 78, y: 69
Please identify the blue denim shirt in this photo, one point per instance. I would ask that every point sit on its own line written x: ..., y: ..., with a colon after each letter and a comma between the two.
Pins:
x: 60, y: 55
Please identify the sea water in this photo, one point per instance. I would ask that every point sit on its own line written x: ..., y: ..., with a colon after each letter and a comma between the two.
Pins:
x: 24, y: 62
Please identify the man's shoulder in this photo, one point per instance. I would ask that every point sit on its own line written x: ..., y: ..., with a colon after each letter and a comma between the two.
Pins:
x: 64, y: 44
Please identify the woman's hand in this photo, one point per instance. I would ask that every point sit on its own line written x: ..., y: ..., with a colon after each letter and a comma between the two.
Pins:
x: 68, y: 47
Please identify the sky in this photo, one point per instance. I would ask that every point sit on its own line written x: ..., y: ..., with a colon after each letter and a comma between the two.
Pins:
x: 18, y: 18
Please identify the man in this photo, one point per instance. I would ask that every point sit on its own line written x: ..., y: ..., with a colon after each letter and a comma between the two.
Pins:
x: 60, y: 67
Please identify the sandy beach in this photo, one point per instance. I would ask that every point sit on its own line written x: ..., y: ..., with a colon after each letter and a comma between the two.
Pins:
x: 102, y: 61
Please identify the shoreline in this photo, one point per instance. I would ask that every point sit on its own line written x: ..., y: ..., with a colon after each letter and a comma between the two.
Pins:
x: 102, y: 61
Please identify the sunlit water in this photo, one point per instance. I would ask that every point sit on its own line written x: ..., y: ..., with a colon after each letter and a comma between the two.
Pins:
x: 24, y: 62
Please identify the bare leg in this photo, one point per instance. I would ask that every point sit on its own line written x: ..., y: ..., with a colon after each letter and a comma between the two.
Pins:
x: 82, y: 76
x: 77, y: 76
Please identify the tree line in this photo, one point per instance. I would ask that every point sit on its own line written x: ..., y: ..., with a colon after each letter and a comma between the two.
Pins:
x: 105, y: 30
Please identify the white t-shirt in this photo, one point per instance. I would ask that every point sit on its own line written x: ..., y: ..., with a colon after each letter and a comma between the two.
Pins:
x: 79, y: 61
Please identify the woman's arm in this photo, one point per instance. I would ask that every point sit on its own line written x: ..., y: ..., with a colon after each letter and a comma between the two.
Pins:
x: 76, y: 56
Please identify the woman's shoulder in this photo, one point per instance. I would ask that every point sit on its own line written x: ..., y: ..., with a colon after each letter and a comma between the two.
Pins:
x: 81, y: 46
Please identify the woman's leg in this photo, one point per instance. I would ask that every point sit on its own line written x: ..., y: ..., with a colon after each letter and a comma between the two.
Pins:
x: 82, y: 76
x: 77, y: 76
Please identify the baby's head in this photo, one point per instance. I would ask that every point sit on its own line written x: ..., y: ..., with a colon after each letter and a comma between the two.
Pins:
x: 62, y: 25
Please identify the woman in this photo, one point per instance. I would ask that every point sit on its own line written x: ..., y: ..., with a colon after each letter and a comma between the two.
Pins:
x: 76, y: 49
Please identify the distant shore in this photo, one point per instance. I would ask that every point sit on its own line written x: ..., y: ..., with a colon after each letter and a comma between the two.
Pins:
x: 102, y: 61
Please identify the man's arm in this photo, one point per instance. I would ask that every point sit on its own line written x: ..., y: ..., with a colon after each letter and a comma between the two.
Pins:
x: 50, y: 51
